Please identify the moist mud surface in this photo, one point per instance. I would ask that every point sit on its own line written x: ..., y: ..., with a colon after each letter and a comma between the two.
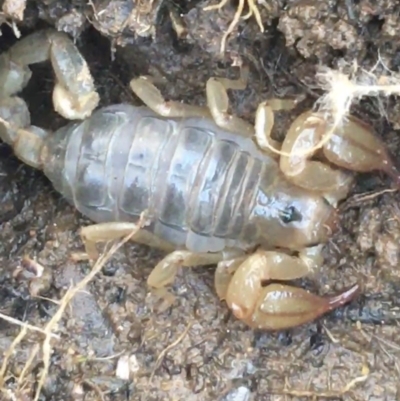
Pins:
x: 195, y: 349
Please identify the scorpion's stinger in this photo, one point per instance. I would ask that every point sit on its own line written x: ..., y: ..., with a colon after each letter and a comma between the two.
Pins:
x: 74, y: 94
x: 26, y: 140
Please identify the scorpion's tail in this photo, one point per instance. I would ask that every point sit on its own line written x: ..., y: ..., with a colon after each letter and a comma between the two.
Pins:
x: 26, y: 140
x: 74, y: 94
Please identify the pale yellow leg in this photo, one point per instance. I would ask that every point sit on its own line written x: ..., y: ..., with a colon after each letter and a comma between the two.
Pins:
x: 103, y: 232
x: 165, y: 271
x: 148, y: 93
x: 218, y: 103
x: 265, y: 121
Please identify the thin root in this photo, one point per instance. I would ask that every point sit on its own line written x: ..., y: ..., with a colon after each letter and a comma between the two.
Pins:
x: 335, y: 105
x: 167, y: 349
x: 253, y: 10
x: 329, y: 394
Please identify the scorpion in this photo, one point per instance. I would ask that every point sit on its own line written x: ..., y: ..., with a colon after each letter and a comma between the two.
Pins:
x: 213, y: 192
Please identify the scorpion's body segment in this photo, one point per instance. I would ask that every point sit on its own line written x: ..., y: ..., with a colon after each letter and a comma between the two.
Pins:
x: 203, y: 187
x: 212, y: 195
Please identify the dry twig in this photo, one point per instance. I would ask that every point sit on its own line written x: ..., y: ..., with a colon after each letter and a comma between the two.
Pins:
x: 52, y: 324
x: 101, y: 261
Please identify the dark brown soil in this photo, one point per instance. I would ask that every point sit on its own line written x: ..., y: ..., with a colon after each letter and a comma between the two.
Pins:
x: 219, y: 358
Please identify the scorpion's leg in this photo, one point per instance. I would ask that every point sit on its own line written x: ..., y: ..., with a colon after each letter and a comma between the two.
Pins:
x: 147, y: 92
x: 16, y: 130
x: 74, y: 95
x: 265, y: 120
x: 218, y: 103
x: 275, y: 306
x: 102, y: 232
x: 165, y: 271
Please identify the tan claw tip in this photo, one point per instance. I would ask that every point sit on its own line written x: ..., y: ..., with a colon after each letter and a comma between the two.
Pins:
x: 393, y: 172
x: 344, y: 298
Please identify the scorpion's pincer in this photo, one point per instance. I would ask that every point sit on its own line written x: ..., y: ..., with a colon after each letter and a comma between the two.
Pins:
x: 281, y: 307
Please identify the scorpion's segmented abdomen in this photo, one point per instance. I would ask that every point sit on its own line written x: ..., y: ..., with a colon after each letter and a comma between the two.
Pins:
x: 197, y: 181
x: 209, y: 186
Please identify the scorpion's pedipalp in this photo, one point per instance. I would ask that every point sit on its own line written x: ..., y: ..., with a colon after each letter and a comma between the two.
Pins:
x: 246, y: 286
x: 355, y: 147
x: 148, y: 93
x: 281, y: 307
x: 304, y: 134
x: 352, y: 146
